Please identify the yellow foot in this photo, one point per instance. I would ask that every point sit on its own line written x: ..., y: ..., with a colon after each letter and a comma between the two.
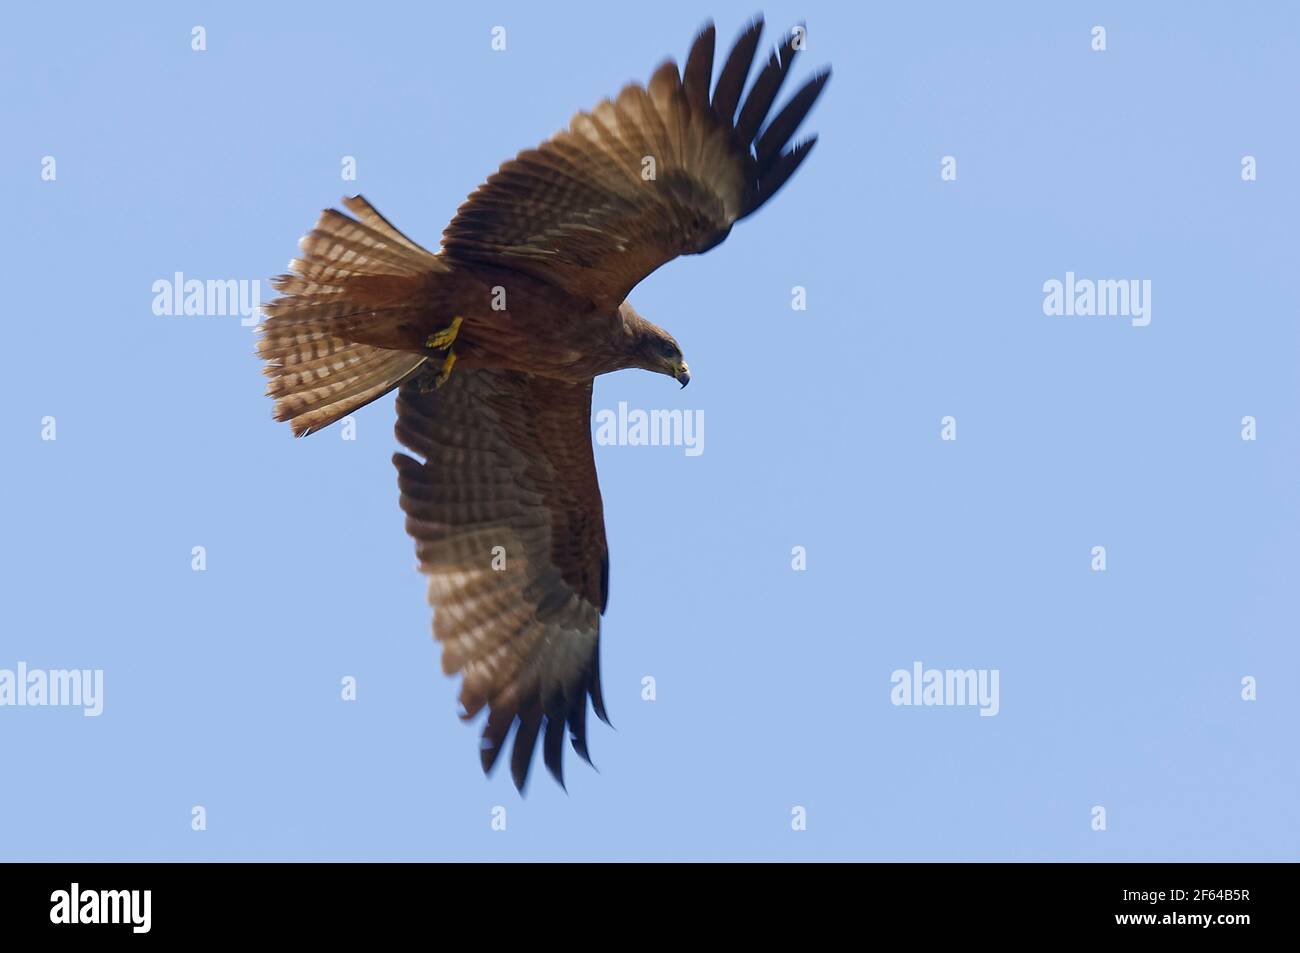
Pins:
x: 446, y: 337
x: 429, y: 380
x: 445, y: 373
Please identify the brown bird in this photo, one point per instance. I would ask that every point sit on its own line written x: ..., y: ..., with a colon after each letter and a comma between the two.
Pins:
x: 494, y: 342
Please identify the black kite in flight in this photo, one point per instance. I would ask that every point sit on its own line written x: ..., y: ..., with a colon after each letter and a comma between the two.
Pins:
x: 526, y: 300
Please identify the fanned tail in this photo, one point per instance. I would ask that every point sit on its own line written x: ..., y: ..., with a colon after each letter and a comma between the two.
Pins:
x: 353, y: 272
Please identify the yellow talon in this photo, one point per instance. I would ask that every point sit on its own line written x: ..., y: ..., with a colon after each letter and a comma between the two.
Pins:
x: 446, y: 337
x: 445, y: 373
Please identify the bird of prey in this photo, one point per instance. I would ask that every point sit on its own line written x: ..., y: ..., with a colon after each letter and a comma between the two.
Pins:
x: 494, y: 341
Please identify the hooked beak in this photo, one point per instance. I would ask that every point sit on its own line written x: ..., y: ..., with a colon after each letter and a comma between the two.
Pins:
x: 682, y: 374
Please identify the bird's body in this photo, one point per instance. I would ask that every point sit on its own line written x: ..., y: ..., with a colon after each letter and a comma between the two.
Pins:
x: 539, y: 329
x: 495, y: 340
x: 511, y: 321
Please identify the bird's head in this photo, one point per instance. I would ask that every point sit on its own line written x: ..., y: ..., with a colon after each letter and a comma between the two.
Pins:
x: 652, y: 348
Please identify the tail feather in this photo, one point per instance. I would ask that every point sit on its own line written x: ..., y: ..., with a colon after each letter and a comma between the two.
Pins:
x: 368, y: 214
x: 351, y: 271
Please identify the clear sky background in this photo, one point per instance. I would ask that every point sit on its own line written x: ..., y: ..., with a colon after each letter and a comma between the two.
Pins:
x: 1119, y: 689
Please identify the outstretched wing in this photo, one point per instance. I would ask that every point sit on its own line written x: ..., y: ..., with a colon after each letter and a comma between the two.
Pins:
x: 508, y: 524
x: 660, y: 171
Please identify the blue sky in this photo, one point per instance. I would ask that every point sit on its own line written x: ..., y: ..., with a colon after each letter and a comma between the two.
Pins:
x: 1119, y: 689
